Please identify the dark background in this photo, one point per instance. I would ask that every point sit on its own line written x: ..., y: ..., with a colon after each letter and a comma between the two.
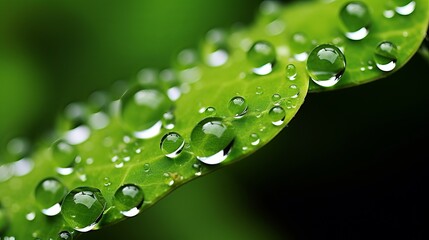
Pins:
x: 353, y: 164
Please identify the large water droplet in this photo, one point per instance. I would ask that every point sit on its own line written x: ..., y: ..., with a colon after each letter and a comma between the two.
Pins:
x: 262, y: 57
x: 83, y: 208
x: 172, y: 144
x: 142, y: 111
x: 326, y: 65
x: 385, y: 56
x: 63, y: 153
x: 65, y: 235
x: 49, y: 193
x: 212, y: 140
x: 277, y: 115
x: 300, y: 45
x: 237, y: 106
x: 128, y: 200
x: 356, y: 20
x: 405, y: 7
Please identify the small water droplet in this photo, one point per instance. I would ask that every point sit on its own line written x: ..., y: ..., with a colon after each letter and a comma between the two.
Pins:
x: 172, y: 144
x: 356, y: 20
x: 65, y: 235
x: 212, y: 140
x: 128, y: 199
x: 49, y: 194
x: 277, y: 115
x: 291, y: 72
x: 168, y: 120
x: 326, y: 65
x: 83, y: 208
x: 388, y: 13
x: 98, y: 120
x: 63, y: 153
x: 215, y: 48
x: 385, y: 56
x: 262, y: 57
x: 237, y: 106
x: 270, y: 8
x: 301, y: 45
x: 259, y: 90
x: 275, y: 27
x: 142, y: 111
x: 146, y: 167
x: 107, y: 182
x: 254, y: 139
x: 208, y: 111
x: 198, y: 167
x: 292, y: 91
x: 276, y: 98
x: 405, y: 7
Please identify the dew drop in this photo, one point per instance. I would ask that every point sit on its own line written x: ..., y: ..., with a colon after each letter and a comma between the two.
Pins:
x: 259, y: 90
x: 237, y: 106
x: 78, y: 135
x: 49, y: 193
x: 301, y: 45
x: 326, y: 65
x: 146, y: 167
x: 388, y: 13
x: 98, y: 120
x: 65, y: 235
x: 63, y: 153
x: 276, y: 98
x: 215, y: 48
x: 128, y: 200
x: 168, y: 120
x: 198, y: 167
x: 30, y: 216
x: 385, y: 56
x: 262, y: 57
x: 293, y: 91
x: 83, y: 208
x: 356, y: 20
x: 254, y: 139
x: 142, y: 111
x: 212, y: 140
x: 405, y: 7
x: 172, y: 144
x: 291, y: 72
x: 275, y: 27
x: 277, y: 115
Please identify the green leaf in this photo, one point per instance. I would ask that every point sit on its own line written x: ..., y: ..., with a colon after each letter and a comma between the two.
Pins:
x: 225, y: 112
x: 320, y: 23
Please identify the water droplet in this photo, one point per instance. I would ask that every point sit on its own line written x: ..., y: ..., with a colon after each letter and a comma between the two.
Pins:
x: 301, y: 45
x: 107, y: 182
x: 356, y: 20
x: 168, y: 120
x: 146, y: 167
x: 405, y: 7
x: 64, y: 235
x: 276, y: 98
x: 187, y: 58
x: 277, y: 115
x: 262, y: 57
x: 385, y: 56
x: 254, y: 139
x: 18, y: 147
x: 142, y: 111
x: 83, y: 208
x: 147, y: 77
x: 212, y: 140
x: 259, y: 90
x: 98, y: 120
x: 237, y: 106
x: 326, y: 65
x: 388, y: 13
x: 63, y: 153
x: 172, y: 144
x: 291, y: 72
x: 30, y: 216
x: 128, y: 200
x: 49, y: 193
x: 292, y: 91
x: 215, y: 48
x: 198, y: 167
x: 208, y: 111
x: 270, y: 8
x: 275, y: 27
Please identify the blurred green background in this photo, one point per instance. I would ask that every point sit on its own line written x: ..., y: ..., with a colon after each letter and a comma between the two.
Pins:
x: 351, y: 165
